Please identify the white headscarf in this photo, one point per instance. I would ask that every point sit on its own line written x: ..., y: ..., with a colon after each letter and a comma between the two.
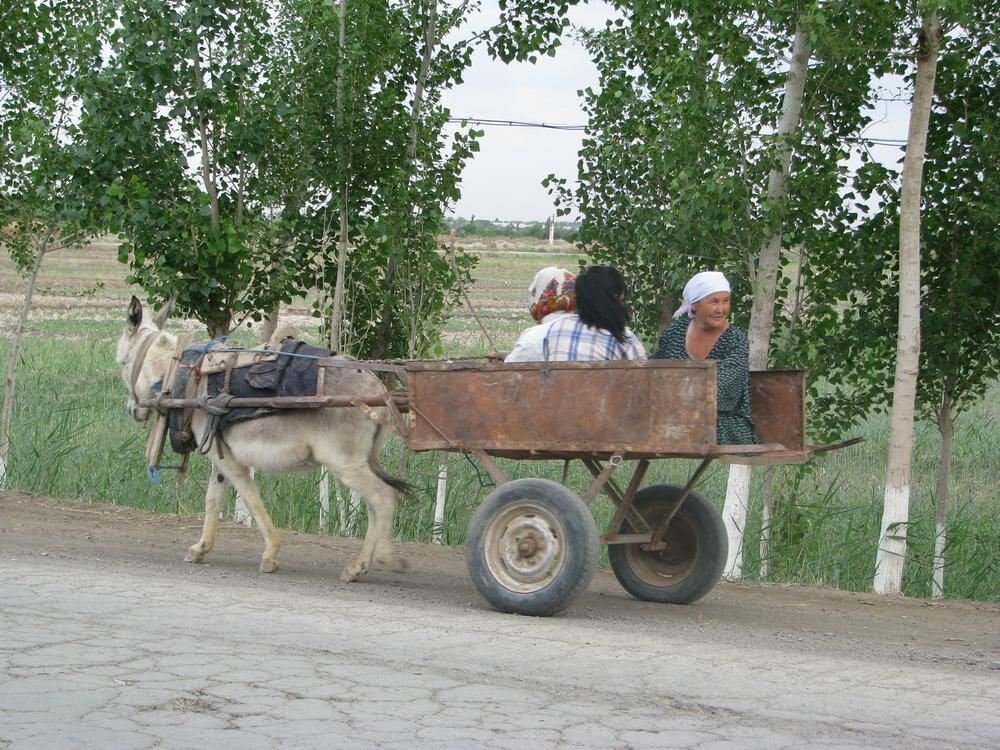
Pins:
x: 552, y: 290
x: 700, y: 286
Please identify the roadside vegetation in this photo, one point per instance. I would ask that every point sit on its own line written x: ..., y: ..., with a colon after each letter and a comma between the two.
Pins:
x: 75, y: 441
x: 296, y: 155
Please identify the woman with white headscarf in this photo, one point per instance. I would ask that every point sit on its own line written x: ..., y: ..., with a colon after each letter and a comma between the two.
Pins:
x: 701, y: 330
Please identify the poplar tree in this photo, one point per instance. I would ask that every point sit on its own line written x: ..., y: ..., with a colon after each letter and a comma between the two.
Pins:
x: 222, y: 155
x: 959, y: 275
x: 44, y: 48
x: 706, y: 149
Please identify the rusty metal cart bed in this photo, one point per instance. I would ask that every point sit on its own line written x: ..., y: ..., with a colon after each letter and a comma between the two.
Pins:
x: 532, y: 544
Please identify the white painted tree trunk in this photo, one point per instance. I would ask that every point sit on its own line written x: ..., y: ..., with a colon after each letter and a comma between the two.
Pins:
x: 764, y: 276
x: 734, y: 516
x: 352, y: 509
x: 946, y: 424
x: 940, y: 539
x: 767, y: 514
x: 437, y: 535
x: 324, y: 499
x: 241, y: 514
x: 891, y: 553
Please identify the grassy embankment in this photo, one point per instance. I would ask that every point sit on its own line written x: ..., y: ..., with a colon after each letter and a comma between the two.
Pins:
x: 73, y: 439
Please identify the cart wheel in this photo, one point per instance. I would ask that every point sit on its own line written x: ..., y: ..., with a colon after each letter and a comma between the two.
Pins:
x: 694, y: 557
x: 532, y: 547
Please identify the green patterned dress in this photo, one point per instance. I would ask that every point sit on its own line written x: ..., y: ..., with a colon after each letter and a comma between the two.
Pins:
x: 732, y: 352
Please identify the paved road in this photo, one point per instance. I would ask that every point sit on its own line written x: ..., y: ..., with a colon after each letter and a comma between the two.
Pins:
x: 114, y: 655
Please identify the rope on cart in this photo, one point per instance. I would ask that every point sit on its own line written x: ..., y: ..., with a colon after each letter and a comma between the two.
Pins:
x: 483, y: 483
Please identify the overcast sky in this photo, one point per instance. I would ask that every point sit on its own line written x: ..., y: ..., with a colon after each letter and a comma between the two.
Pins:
x: 503, y: 181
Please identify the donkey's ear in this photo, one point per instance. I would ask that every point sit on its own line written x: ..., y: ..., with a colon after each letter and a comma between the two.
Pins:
x: 164, y: 312
x: 134, y: 314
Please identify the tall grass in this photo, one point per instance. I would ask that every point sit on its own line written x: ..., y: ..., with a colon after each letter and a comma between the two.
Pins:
x: 72, y: 438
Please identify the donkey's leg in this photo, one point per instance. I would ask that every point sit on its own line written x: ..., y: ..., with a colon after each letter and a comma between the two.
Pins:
x: 381, y: 503
x: 214, y: 497
x: 385, y: 552
x: 244, y: 483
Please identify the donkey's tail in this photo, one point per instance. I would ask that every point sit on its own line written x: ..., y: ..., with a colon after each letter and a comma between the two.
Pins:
x: 396, y: 483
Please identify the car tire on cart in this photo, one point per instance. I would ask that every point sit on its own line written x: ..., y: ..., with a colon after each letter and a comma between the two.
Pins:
x: 532, y: 547
x: 695, y: 553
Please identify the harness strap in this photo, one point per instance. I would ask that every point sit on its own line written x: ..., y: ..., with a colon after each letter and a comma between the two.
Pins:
x: 140, y: 359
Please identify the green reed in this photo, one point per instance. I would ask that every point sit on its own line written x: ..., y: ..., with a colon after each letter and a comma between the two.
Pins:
x: 73, y: 439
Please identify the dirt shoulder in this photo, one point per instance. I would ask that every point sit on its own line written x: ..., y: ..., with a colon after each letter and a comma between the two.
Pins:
x: 961, y: 633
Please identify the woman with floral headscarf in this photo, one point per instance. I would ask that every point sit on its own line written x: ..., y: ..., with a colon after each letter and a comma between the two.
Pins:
x: 701, y: 330
x: 551, y: 297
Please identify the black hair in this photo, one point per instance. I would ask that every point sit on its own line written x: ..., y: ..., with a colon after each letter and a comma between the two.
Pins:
x: 600, y: 300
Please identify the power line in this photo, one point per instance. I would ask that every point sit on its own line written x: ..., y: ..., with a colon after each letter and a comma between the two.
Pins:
x: 514, y: 123
x: 550, y: 126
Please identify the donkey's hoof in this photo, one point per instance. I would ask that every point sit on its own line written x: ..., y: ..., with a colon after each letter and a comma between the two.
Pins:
x: 396, y: 565
x: 268, y: 566
x: 351, y: 573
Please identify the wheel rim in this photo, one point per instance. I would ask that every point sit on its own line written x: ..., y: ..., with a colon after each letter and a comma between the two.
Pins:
x: 524, y: 550
x: 670, y: 566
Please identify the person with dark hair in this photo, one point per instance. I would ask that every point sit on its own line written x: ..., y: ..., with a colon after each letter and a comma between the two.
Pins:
x: 599, y: 329
x: 701, y: 330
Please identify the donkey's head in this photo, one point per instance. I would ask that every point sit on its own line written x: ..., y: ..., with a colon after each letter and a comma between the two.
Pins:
x: 140, y: 352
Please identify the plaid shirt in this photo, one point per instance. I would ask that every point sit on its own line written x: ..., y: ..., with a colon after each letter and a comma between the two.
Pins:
x: 570, y: 339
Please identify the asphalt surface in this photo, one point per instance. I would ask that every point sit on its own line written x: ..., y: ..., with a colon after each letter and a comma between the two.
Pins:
x: 120, y: 645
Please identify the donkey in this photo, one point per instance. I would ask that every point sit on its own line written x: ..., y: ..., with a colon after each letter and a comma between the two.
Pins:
x: 344, y: 440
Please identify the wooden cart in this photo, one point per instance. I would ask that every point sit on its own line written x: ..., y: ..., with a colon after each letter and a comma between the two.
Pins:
x: 532, y: 544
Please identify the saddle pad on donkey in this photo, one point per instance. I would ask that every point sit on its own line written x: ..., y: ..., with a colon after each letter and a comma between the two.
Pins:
x: 294, y: 372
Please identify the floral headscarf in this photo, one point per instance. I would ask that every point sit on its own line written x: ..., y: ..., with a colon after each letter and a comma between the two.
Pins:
x: 553, y: 290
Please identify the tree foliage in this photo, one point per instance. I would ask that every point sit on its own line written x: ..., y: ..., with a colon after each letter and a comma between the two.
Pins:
x: 44, y: 47
x: 175, y: 154
x: 673, y: 174
x: 960, y: 255
x: 216, y: 152
x: 674, y: 166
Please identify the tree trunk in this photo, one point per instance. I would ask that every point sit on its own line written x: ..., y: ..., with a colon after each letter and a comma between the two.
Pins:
x: 946, y: 424
x: 765, y: 278
x: 270, y: 324
x: 337, y: 311
x: 207, y: 155
x: 416, y: 109
x: 767, y: 517
x: 896, y: 503
x: 437, y: 531
x: 15, y: 353
x: 768, y: 259
x: 337, y: 314
x: 734, y: 517
x: 219, y: 327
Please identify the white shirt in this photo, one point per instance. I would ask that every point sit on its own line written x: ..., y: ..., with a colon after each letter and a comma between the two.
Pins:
x: 530, y: 344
